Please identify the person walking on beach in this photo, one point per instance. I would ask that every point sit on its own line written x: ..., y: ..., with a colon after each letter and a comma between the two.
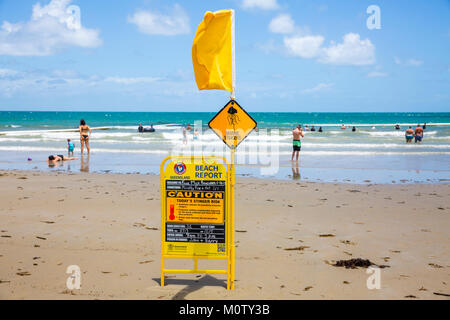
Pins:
x: 85, y: 134
x: 409, y: 135
x: 296, y: 143
x: 418, y: 134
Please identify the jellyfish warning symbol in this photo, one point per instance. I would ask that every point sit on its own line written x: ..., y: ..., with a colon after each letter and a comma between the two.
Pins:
x: 232, y: 124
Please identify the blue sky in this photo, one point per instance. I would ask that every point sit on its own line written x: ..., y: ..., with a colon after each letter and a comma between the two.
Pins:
x: 303, y: 56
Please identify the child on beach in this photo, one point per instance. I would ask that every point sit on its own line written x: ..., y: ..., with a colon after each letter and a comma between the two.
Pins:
x: 70, y: 147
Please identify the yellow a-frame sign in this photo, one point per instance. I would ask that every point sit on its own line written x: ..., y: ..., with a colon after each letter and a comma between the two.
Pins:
x: 196, y: 220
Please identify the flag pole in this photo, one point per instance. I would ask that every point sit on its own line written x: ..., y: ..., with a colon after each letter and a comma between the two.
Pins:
x: 233, y: 54
x: 233, y: 149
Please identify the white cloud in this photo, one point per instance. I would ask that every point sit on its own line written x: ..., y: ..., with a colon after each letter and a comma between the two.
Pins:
x: 304, y: 47
x: 261, y: 4
x: 414, y: 62
x: 12, y: 81
x: 352, y: 51
x: 409, y: 62
x: 7, y: 72
x: 283, y: 24
x: 377, y: 74
x: 319, y: 87
x: 154, y: 23
x: 52, y: 27
x: 132, y: 80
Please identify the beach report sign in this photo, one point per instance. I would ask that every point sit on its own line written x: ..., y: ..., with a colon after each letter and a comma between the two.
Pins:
x: 195, y: 219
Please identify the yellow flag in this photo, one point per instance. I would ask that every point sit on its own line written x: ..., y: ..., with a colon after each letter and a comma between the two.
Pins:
x: 212, y: 51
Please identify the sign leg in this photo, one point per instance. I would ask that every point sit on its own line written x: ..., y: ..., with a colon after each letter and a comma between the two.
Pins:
x: 162, y: 272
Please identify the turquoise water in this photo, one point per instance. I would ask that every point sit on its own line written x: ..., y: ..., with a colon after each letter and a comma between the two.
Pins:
x: 375, y: 153
x: 36, y: 120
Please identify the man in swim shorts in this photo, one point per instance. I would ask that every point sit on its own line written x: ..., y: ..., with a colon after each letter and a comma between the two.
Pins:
x: 409, y: 135
x: 418, y: 134
x: 296, y: 143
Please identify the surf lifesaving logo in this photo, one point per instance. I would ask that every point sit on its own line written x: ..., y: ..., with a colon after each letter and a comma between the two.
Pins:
x: 180, y: 168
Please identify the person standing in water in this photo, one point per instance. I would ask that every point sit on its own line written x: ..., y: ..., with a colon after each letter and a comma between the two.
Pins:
x: 418, y: 134
x: 70, y: 147
x: 85, y: 134
x: 196, y: 134
x: 296, y: 143
x: 409, y: 135
x: 184, y: 136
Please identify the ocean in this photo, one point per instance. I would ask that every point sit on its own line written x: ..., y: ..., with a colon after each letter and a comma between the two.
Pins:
x: 374, y: 153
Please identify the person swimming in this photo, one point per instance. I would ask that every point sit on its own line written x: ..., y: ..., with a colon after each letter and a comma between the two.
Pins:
x: 353, y: 129
x: 320, y: 129
x: 313, y: 128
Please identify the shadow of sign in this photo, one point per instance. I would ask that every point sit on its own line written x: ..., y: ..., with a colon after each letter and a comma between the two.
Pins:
x: 192, y: 285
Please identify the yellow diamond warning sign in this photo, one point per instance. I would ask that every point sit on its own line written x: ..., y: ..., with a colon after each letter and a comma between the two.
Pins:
x: 232, y: 124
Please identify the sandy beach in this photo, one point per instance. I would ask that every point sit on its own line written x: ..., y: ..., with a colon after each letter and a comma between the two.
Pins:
x: 288, y: 236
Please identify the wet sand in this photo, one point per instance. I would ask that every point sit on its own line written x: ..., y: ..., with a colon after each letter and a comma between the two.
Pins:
x: 288, y: 236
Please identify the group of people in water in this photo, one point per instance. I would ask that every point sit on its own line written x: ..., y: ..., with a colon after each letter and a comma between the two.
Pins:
x: 187, y: 129
x: 147, y: 129
x: 297, y: 134
x: 417, y: 133
x: 313, y: 128
x: 85, y: 134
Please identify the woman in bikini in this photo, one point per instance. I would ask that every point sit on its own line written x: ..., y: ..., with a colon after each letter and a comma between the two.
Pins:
x: 85, y: 133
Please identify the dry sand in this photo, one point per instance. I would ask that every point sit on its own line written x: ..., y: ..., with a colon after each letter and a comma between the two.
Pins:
x: 109, y: 225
